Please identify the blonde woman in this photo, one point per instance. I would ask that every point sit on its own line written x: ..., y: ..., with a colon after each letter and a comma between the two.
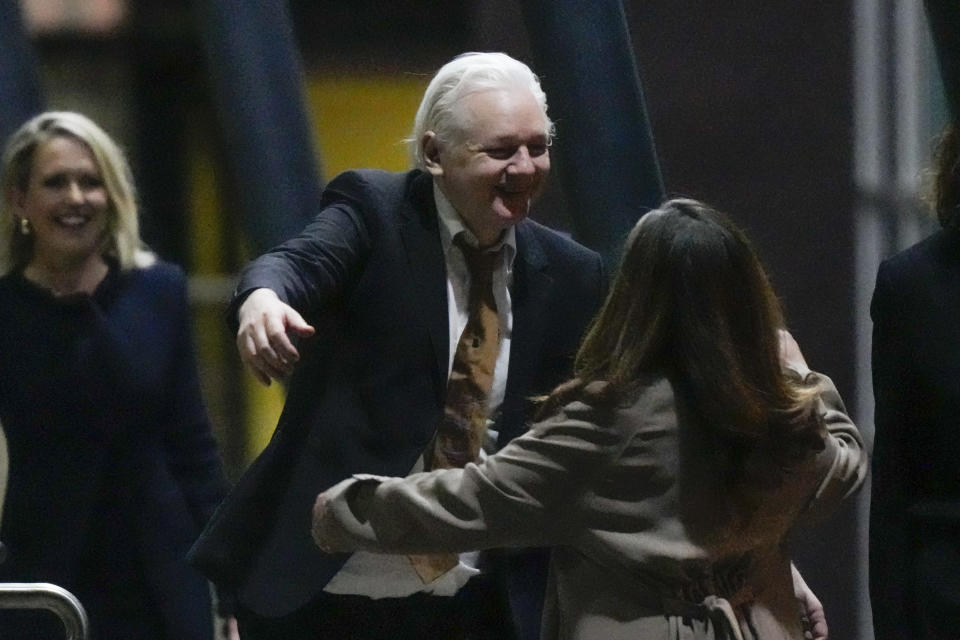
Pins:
x: 113, y: 469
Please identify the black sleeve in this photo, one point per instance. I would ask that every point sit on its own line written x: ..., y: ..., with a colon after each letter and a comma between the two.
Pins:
x: 312, y: 270
x: 895, y: 414
x: 190, y: 449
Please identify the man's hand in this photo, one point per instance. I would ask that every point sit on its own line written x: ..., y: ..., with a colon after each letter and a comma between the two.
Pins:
x: 811, y: 609
x: 263, y: 339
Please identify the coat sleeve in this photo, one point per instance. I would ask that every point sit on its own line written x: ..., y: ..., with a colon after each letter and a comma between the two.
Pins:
x: 310, y: 270
x: 190, y: 449
x: 895, y: 417
x: 522, y: 496
x: 843, y: 459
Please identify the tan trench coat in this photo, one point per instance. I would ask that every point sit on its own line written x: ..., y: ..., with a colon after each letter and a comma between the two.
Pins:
x: 648, y: 540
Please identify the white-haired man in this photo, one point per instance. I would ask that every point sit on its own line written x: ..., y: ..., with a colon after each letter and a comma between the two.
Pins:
x: 377, y: 288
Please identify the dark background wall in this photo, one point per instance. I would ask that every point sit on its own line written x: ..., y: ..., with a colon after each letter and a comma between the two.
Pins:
x: 751, y: 108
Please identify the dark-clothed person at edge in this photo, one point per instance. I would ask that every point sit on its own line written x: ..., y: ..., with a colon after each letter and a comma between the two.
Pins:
x: 915, y: 497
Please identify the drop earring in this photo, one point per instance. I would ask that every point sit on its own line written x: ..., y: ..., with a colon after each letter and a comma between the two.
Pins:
x: 25, y: 228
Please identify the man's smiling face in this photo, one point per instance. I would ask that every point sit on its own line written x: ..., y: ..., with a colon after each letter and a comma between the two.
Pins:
x: 499, y: 163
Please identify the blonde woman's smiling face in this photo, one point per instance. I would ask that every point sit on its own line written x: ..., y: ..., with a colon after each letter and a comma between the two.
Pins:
x: 65, y: 202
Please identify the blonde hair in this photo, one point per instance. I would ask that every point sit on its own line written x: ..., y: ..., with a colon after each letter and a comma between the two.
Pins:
x: 124, y: 241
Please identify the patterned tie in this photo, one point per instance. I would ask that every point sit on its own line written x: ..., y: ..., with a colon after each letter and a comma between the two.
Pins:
x: 463, y: 427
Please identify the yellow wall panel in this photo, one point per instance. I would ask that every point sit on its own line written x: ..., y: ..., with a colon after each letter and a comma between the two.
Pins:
x: 207, y: 255
x: 362, y: 121
x: 206, y: 245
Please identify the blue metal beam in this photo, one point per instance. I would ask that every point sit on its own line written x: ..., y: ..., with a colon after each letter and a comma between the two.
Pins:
x: 605, y: 152
x: 257, y: 80
x: 20, y: 95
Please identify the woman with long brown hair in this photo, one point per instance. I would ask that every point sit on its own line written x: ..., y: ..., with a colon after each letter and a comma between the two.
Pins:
x: 666, y: 474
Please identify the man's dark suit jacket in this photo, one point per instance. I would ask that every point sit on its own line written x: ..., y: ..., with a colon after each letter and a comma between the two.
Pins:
x: 915, y: 507
x: 369, y: 273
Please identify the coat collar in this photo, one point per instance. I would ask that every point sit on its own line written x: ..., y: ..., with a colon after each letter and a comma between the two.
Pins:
x: 532, y: 290
x: 419, y: 229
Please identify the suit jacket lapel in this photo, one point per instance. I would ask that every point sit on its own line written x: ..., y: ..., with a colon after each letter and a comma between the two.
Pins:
x: 421, y: 239
x: 532, y: 286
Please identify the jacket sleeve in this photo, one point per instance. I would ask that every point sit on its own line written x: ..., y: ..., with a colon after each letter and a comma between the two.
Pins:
x: 844, y: 458
x: 519, y: 497
x: 190, y: 449
x: 310, y: 270
x: 895, y: 417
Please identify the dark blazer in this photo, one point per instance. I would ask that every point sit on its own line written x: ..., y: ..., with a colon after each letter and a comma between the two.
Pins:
x: 369, y: 273
x: 915, y: 508
x: 113, y: 467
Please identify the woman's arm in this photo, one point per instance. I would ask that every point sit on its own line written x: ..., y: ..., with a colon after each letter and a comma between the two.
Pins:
x: 844, y: 460
x: 524, y: 495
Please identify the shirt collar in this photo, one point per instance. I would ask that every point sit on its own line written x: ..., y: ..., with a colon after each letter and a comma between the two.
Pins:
x: 451, y: 225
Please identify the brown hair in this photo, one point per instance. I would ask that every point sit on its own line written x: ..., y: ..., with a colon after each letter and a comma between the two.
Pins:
x: 691, y: 301
x: 943, y: 185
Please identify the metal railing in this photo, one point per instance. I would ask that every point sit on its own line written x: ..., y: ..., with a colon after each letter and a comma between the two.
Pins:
x: 41, y: 595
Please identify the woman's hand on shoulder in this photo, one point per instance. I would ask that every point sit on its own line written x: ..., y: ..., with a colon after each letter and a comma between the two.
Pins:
x: 790, y: 355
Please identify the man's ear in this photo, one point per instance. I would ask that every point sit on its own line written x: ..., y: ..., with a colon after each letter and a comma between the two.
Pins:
x: 431, y: 153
